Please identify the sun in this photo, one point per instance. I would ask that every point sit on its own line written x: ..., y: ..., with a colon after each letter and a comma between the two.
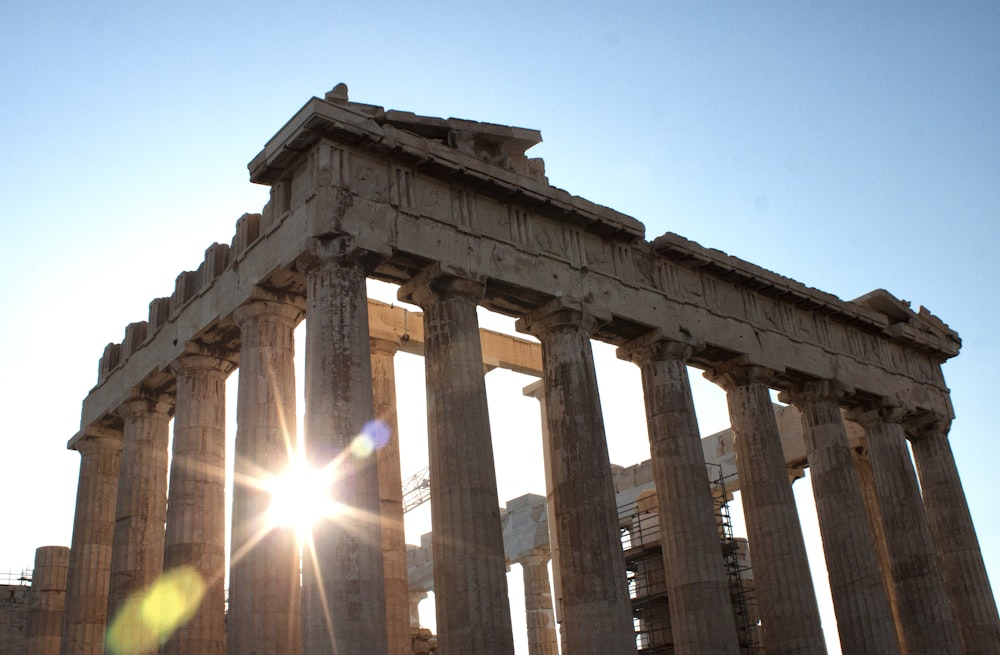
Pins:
x: 301, y: 498
x: 303, y: 495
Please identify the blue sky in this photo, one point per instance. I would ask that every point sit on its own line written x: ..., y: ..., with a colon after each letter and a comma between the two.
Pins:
x: 847, y: 145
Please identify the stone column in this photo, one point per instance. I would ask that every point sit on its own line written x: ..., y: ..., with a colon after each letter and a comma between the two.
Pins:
x: 538, y: 605
x: 264, y: 593
x: 537, y: 391
x: 596, y: 610
x: 47, y: 600
x: 864, y: 618
x: 927, y: 621
x: 397, y: 610
x: 86, y: 615
x: 141, y: 510
x: 867, y: 484
x: 958, y: 552
x: 700, y: 602
x: 470, y: 580
x: 786, y: 600
x: 343, y: 580
x: 196, y: 512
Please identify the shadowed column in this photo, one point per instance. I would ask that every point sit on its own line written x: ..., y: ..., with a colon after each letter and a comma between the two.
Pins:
x: 596, y: 611
x: 47, y: 600
x: 343, y: 608
x: 927, y: 620
x: 89, y: 575
x: 961, y: 560
x: 141, y: 510
x: 701, y: 612
x: 867, y: 484
x: 864, y: 617
x: 786, y: 600
x: 196, y: 509
x: 397, y: 595
x: 470, y: 581
x: 264, y: 592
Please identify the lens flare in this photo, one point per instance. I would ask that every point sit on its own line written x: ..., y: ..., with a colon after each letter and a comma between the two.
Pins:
x: 150, y: 616
x: 379, y: 432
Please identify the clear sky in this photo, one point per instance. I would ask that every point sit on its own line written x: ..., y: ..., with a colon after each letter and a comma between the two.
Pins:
x: 850, y: 146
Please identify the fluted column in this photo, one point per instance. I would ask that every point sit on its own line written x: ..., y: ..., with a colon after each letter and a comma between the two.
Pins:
x: 596, y: 611
x: 86, y: 613
x: 344, y: 588
x: 397, y: 609
x: 867, y: 484
x: 864, y: 617
x: 700, y: 601
x: 141, y: 510
x: 196, y: 512
x: 786, y: 600
x: 264, y: 592
x: 539, y: 615
x: 470, y: 581
x: 927, y: 621
x: 47, y: 601
x: 961, y: 560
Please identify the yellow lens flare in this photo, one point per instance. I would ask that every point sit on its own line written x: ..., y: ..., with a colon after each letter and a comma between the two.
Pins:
x: 149, y: 617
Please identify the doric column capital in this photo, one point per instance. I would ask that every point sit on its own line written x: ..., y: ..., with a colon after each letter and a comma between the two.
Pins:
x: 337, y: 249
x: 739, y: 372
x: 653, y: 347
x: 535, y: 390
x: 93, y: 439
x: 193, y: 362
x: 561, y: 315
x: 141, y: 404
x: 386, y: 346
x: 441, y: 281
x: 876, y: 414
x: 535, y: 556
x: 289, y: 310
x: 815, y: 391
x: 926, y: 425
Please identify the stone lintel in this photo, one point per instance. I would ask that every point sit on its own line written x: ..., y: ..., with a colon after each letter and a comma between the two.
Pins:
x: 877, y: 311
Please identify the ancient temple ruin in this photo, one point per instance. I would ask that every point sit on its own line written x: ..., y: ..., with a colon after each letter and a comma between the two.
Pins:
x: 456, y: 214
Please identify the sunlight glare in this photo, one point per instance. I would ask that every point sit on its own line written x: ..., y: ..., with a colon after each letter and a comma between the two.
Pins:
x: 300, y: 498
